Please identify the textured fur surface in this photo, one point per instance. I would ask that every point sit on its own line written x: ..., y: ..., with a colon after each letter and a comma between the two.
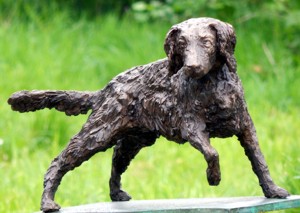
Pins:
x: 190, y: 96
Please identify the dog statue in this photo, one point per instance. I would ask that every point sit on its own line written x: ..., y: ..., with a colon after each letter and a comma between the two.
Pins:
x: 190, y: 96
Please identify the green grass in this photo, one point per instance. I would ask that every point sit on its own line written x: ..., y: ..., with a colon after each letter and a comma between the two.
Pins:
x: 61, y: 53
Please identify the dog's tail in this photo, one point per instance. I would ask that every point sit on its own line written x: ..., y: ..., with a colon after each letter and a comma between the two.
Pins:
x: 70, y: 102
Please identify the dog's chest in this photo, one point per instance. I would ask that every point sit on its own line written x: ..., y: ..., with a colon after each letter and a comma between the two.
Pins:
x: 220, y: 103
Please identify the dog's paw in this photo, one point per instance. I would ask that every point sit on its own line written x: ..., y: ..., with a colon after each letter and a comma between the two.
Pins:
x: 120, y: 196
x: 213, y: 176
x: 49, y: 206
x: 276, y: 192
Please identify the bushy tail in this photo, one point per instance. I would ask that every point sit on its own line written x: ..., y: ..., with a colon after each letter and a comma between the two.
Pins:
x: 70, y: 102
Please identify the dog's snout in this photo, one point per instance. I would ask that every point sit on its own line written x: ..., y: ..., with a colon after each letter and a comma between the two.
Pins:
x: 194, y: 71
x: 193, y: 67
x: 189, y: 69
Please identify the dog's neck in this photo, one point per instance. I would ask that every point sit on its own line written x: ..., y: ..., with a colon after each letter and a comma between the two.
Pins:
x: 175, y: 64
x: 217, y: 66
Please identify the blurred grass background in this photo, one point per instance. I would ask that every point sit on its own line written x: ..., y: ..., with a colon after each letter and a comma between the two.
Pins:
x: 82, y: 45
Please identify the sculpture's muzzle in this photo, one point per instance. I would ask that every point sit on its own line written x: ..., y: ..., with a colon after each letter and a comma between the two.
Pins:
x: 197, y: 62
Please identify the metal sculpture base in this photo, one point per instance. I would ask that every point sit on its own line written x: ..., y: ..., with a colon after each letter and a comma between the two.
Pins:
x: 199, y: 205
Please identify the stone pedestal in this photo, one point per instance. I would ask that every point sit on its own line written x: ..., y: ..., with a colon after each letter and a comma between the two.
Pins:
x: 199, y: 205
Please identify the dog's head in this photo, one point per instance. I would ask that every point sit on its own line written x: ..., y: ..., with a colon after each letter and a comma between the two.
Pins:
x: 199, y: 45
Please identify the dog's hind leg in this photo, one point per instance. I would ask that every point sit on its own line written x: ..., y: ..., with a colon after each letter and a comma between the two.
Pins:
x: 125, y: 150
x: 81, y: 147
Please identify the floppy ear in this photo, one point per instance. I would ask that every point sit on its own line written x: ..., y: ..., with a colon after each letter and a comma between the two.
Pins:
x: 226, y: 41
x: 175, y: 60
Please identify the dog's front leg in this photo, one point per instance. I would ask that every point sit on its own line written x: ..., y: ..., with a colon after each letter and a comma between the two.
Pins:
x: 249, y: 141
x: 199, y: 139
x: 211, y: 156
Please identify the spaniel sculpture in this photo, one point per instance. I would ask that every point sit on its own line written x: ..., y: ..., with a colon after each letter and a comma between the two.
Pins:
x: 191, y: 96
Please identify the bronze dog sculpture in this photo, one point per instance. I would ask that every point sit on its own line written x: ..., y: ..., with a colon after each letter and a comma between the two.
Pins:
x: 192, y: 95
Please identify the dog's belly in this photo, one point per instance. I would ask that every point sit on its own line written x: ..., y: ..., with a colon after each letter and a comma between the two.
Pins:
x: 160, y: 114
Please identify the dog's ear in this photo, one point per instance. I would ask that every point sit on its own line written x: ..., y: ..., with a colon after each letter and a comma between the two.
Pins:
x: 226, y: 41
x: 175, y: 61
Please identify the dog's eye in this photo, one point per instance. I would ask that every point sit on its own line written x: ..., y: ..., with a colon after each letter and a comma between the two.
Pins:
x: 207, y: 43
x: 181, y: 42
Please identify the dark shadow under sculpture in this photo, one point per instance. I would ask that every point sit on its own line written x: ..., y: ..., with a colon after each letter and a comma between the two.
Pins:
x: 190, y: 96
